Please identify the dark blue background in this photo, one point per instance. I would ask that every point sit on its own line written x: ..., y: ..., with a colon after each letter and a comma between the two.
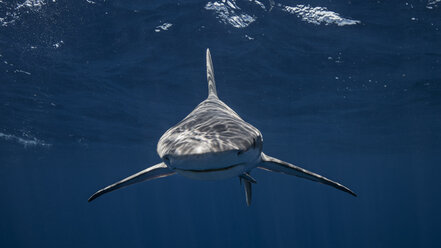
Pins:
x: 86, y: 90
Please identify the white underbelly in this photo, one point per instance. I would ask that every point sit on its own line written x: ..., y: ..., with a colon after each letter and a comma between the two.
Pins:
x: 215, y: 166
x: 217, y: 174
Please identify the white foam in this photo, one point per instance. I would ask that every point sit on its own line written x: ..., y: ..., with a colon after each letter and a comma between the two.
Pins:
x: 249, y: 37
x: 31, y: 4
x: 14, y: 11
x: 164, y: 27
x: 58, y: 44
x: 28, y: 141
x: 318, y: 15
x: 258, y: 3
x: 226, y: 12
x: 21, y: 71
x: 9, y: 18
x: 432, y: 3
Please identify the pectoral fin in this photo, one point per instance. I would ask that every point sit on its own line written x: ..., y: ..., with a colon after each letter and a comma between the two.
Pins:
x: 155, y: 171
x: 273, y: 164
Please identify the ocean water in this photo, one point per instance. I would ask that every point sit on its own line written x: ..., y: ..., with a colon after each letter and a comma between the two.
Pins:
x: 348, y: 89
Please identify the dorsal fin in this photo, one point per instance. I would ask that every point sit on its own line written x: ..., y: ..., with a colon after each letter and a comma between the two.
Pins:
x: 210, y: 76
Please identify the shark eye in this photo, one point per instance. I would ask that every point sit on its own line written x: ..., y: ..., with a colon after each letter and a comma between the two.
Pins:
x: 166, y: 158
x: 239, y: 153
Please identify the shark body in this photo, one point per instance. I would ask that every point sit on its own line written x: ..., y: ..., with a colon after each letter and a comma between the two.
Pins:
x: 214, y: 143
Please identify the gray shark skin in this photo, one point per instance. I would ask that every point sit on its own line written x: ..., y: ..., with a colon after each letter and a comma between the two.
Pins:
x: 214, y: 143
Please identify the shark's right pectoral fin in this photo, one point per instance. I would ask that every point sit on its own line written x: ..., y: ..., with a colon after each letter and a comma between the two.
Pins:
x: 273, y: 164
x: 155, y: 171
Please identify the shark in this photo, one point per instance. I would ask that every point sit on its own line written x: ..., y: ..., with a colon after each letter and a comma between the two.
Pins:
x: 212, y: 143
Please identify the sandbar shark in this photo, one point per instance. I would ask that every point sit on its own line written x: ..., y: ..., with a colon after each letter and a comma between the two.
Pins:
x: 213, y: 142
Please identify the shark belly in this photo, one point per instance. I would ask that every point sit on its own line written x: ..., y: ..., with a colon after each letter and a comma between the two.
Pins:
x: 214, y: 174
x: 214, y: 166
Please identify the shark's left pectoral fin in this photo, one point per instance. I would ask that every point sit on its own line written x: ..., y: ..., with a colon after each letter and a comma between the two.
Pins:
x: 273, y: 164
x: 155, y: 171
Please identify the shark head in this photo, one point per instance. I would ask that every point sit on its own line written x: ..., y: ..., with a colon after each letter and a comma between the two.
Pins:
x: 212, y: 138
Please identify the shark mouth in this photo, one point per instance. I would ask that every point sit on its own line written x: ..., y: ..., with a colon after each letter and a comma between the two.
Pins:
x: 213, y: 170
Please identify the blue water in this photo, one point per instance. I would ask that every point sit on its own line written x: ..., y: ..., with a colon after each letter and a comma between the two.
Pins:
x: 348, y: 89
